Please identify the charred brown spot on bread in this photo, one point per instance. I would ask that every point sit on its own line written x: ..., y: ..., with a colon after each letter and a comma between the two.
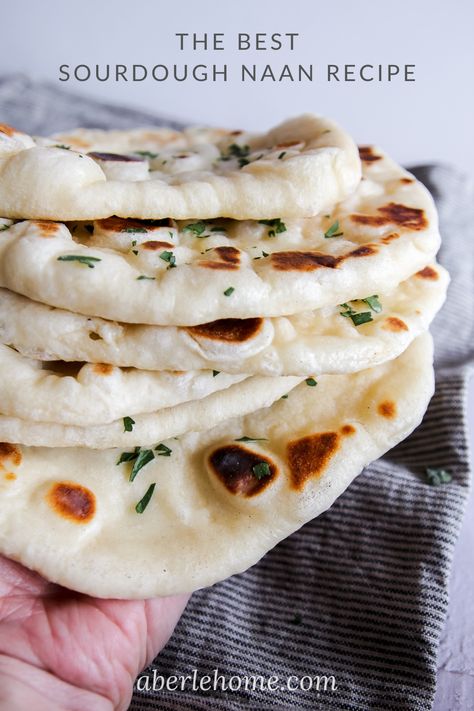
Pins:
x: 411, y: 218
x: 234, y: 467
x: 288, y: 144
x: 390, y: 238
x: 428, y: 273
x: 153, y: 245
x: 309, y: 456
x: 7, y: 130
x: 46, y: 228
x: 228, y: 258
x: 366, y: 250
x: 394, y: 324
x: 367, y: 154
x: 303, y: 261
x: 406, y: 181
x: 115, y: 157
x: 102, y: 368
x: 235, y: 133
x: 230, y: 330
x: 128, y: 224
x: 387, y: 409
x: 72, y: 501
x: 348, y: 430
x: 10, y: 453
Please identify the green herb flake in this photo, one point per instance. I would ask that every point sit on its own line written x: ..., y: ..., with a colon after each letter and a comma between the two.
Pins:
x: 4, y: 227
x: 282, y: 155
x: 333, y: 231
x: 251, y: 439
x: 284, y: 397
x: 361, y: 318
x: 264, y: 254
x: 144, y: 457
x: 168, y: 257
x: 215, y: 372
x: 197, y: 228
x: 436, y: 476
x: 128, y: 423
x: 311, y: 382
x: 147, y: 154
x: 128, y: 456
x: 276, y: 225
x: 82, y: 259
x: 61, y: 145
x: 143, y: 503
x: 143, y: 276
x: 163, y: 450
x: 239, y: 152
x: 229, y: 291
x: 373, y: 303
x: 134, y: 230
x: 261, y: 470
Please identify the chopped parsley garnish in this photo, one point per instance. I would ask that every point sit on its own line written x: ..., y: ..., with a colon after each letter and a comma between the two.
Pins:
x: 229, y: 291
x: 82, y: 259
x: 261, y: 470
x: 168, y: 257
x: 4, y: 227
x: 133, y: 230
x: 147, y: 154
x: 142, y: 276
x: 215, y: 372
x: 357, y: 318
x: 61, y: 145
x: 284, y: 397
x: 436, y: 476
x: 373, y: 303
x: 311, y: 382
x: 128, y: 456
x: 143, y: 503
x: 333, y: 231
x: 163, y: 450
x: 277, y: 226
x: 128, y: 423
x: 144, y: 456
x: 239, y: 152
x: 282, y: 155
x: 251, y: 439
x: 197, y: 228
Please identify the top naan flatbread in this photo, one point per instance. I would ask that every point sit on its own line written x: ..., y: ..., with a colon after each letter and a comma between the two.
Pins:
x: 190, y: 273
x: 297, y: 169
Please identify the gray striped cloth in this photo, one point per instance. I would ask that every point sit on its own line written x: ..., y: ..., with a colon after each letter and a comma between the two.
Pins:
x: 360, y: 593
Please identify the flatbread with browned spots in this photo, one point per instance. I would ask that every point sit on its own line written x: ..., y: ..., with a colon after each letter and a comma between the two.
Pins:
x: 327, y: 340
x: 188, y: 273
x: 300, y: 167
x: 212, y: 503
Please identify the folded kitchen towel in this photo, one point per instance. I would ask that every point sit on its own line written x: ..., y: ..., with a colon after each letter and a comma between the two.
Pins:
x: 359, y: 594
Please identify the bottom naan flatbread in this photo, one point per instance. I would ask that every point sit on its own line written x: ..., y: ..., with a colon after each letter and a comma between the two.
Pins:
x: 222, y: 498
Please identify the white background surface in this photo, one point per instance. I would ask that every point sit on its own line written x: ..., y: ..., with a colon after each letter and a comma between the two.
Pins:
x: 430, y: 119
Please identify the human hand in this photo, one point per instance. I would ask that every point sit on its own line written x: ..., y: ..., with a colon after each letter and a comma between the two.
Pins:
x: 67, y: 651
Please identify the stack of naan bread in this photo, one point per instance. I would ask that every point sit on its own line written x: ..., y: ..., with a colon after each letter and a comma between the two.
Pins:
x: 205, y: 336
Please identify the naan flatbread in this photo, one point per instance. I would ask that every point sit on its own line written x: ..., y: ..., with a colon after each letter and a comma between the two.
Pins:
x: 321, y: 341
x: 222, y: 498
x: 89, y: 394
x: 191, y: 273
x: 297, y: 169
